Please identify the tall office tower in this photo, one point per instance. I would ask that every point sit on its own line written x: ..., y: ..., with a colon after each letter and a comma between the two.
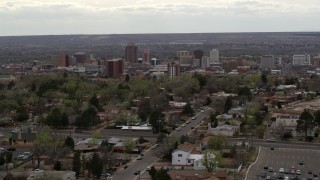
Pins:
x: 205, y: 62
x: 65, y: 60
x: 131, y: 53
x: 214, y: 56
x: 267, y: 61
x: 186, y: 60
x: 301, y: 59
x: 316, y: 61
x: 197, y: 54
x: 183, y: 53
x: 114, y: 68
x: 146, y: 56
x: 277, y: 61
x: 81, y: 57
x: 173, y: 69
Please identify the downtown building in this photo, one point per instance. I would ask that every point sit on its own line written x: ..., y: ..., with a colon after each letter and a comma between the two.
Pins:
x: 173, y: 69
x: 131, y: 53
x: 267, y: 62
x: 301, y: 59
x: 114, y: 68
x: 146, y: 57
x: 214, y: 56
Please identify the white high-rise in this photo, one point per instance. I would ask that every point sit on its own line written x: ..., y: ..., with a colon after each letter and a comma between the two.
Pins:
x: 301, y: 59
x: 214, y: 56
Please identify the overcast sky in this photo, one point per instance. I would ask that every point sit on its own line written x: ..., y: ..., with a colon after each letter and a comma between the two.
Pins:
x: 38, y: 17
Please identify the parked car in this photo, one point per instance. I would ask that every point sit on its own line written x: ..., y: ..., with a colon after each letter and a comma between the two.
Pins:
x: 281, y: 170
x: 265, y: 167
x: 137, y: 172
x: 271, y: 148
x: 11, y: 148
x: 263, y: 174
x: 287, y: 171
x: 188, y: 122
x: 271, y: 140
x: 300, y: 162
x: 178, y: 129
x: 270, y: 169
x: 298, y: 172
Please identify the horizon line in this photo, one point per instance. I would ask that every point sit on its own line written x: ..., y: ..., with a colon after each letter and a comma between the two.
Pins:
x: 167, y: 33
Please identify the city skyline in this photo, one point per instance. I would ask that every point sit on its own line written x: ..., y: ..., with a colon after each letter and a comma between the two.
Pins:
x: 39, y: 17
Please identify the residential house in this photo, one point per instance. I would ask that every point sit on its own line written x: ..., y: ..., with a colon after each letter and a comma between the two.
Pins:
x: 225, y: 130
x: 188, y: 155
x: 287, y: 123
x: 24, y: 134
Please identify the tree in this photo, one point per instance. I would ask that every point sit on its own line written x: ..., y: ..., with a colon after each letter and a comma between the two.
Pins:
x: 209, y: 161
x: 228, y: 104
x: 9, y: 157
x: 11, y: 85
x: 317, y: 118
x: 264, y: 79
x: 69, y: 142
x: 144, y: 110
x: 2, y: 160
x: 76, y: 164
x: 187, y: 109
x: 127, y: 78
x: 305, y: 123
x: 217, y: 142
x: 156, y: 120
x: 22, y: 114
x: 95, y: 101
x: 57, y: 166
x: 153, y: 172
x: 96, y: 165
x: 44, y: 143
x: 88, y: 118
x: 208, y: 101
x: 162, y: 175
x: 56, y: 118
x: 129, y: 145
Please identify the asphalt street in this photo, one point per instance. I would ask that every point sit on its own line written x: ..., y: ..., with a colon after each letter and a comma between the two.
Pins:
x: 149, y: 156
x: 285, y: 144
x: 285, y: 158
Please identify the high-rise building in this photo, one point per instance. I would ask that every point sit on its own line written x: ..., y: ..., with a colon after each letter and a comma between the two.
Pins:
x: 197, y: 54
x: 131, y: 53
x: 114, y: 68
x: 65, y: 60
x: 214, y: 56
x: 183, y: 53
x: 186, y: 60
x: 316, y: 61
x: 146, y: 56
x: 173, y: 69
x: 267, y: 61
x: 205, y: 62
x: 301, y: 59
x: 81, y: 57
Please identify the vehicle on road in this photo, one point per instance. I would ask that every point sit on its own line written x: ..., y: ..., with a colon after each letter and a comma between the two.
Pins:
x: 11, y: 148
x: 281, y: 170
x: 148, y: 168
x: 139, y: 158
x: 178, y: 129
x: 271, y: 148
x: 37, y: 170
x: 193, y: 118
x: 202, y: 110
x: 137, y: 172
x: 183, y: 125
x: 192, y: 127
x: 125, y: 166
x: 271, y: 140
x: 188, y: 122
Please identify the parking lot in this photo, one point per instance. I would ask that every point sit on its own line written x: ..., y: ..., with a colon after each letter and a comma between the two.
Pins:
x: 286, y: 158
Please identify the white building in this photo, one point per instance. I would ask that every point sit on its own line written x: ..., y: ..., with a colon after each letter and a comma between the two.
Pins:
x: 214, y: 56
x: 301, y: 59
x: 205, y: 62
x: 183, y: 156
